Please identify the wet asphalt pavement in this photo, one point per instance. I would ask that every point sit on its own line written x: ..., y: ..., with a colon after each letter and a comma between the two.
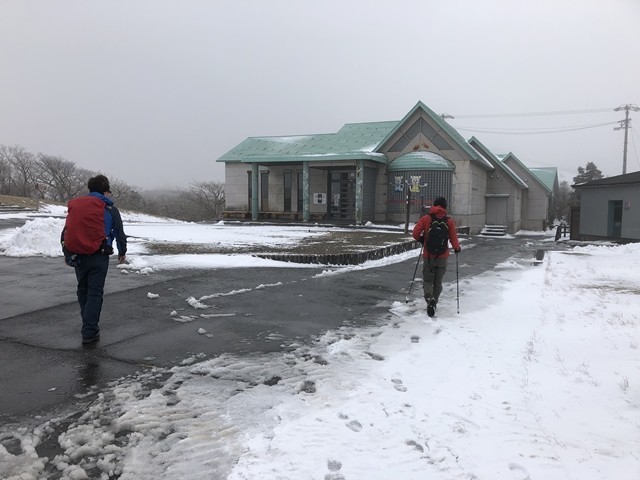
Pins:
x: 43, y: 365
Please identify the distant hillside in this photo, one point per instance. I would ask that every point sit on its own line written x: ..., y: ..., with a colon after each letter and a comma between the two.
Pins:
x: 18, y: 201
x: 24, y: 202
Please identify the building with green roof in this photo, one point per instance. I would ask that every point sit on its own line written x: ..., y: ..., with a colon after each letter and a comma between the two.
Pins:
x: 504, y: 194
x: 539, y: 199
x: 365, y: 172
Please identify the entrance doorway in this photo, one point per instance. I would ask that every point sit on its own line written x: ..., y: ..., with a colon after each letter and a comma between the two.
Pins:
x: 496, y: 210
x: 342, y: 188
x: 614, y: 221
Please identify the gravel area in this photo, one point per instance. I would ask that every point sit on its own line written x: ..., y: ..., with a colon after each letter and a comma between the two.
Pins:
x: 335, y: 242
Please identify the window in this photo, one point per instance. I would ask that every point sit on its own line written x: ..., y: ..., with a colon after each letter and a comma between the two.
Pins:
x: 249, y: 190
x: 300, y: 189
x: 287, y: 190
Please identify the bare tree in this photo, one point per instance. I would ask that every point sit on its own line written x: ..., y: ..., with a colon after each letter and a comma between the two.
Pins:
x: 209, y: 196
x: 24, y: 169
x: 61, y: 177
x: 167, y: 203
x: 55, y: 178
x: 565, y: 199
x: 127, y: 197
x: 5, y: 177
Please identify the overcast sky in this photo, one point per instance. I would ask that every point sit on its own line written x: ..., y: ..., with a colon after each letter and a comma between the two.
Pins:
x: 154, y: 91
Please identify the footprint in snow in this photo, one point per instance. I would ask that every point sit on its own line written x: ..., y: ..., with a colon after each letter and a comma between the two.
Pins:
x: 414, y: 444
x: 334, y: 467
x: 354, y: 425
x: 334, y: 476
x: 375, y: 356
x: 398, y: 385
x: 519, y: 472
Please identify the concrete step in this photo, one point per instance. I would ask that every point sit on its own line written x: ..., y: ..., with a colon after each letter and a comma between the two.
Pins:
x: 14, y: 208
x: 494, y: 230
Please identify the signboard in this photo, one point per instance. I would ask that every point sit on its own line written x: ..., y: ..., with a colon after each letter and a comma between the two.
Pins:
x: 320, y: 198
x: 415, y: 184
x: 398, y: 184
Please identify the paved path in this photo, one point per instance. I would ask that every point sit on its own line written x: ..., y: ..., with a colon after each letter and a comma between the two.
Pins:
x: 43, y: 364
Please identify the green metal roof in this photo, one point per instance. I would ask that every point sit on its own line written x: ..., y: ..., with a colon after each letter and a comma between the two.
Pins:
x: 522, y: 165
x: 548, y: 176
x: 420, y: 161
x: 352, y: 141
x: 478, y: 145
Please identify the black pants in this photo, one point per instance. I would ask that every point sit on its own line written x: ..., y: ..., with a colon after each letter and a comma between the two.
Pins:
x: 91, y: 275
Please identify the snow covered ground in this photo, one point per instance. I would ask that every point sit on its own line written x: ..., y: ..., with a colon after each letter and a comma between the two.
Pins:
x: 537, y: 377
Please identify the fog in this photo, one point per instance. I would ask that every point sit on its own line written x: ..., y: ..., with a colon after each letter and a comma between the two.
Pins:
x: 154, y: 91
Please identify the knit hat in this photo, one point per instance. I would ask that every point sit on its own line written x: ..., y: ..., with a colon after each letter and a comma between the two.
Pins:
x: 441, y: 202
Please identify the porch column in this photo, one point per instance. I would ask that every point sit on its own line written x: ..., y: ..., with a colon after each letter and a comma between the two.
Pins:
x: 255, y: 195
x: 359, y: 190
x: 306, y: 192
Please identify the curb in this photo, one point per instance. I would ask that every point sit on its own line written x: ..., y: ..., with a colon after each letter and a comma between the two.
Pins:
x: 341, y: 258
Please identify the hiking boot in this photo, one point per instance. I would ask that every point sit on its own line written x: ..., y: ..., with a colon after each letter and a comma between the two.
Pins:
x: 88, y: 340
x: 431, y: 307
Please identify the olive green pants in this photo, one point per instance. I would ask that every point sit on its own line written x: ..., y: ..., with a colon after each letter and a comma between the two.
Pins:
x: 433, y: 270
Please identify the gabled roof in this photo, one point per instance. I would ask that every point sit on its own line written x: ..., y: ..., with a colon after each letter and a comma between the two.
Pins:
x: 511, y: 156
x: 444, y: 127
x: 625, y: 179
x: 484, y: 151
x: 547, y: 175
x: 352, y: 141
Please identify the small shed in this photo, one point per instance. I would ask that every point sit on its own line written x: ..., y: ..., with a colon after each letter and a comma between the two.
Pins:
x: 610, y: 208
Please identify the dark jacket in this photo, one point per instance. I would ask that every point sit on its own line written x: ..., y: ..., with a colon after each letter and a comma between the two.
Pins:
x: 422, y: 227
x: 92, y: 223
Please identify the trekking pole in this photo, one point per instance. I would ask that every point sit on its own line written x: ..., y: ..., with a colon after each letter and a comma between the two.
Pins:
x: 414, y: 273
x: 457, y: 285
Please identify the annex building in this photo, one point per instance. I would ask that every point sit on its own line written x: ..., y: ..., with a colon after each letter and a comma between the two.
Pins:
x: 606, y: 209
x: 374, y: 172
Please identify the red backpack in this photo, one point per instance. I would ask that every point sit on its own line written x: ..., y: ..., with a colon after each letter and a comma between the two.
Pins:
x: 88, y: 225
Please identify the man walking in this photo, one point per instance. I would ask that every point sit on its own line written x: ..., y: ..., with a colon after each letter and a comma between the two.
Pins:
x: 435, y: 230
x: 93, y: 222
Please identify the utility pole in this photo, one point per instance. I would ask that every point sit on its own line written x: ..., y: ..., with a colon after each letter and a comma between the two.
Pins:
x: 625, y: 124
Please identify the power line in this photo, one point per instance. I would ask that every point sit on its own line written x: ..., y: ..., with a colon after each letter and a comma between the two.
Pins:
x: 533, y: 131
x: 532, y: 114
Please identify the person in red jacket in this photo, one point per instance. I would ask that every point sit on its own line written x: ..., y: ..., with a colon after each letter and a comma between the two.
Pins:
x: 92, y: 224
x: 435, y: 230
